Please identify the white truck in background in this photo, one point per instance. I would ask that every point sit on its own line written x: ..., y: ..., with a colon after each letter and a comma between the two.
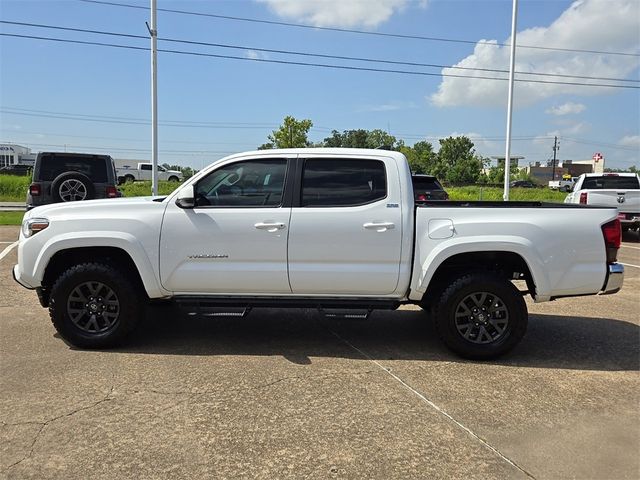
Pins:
x: 332, y: 229
x: 619, y: 190
x: 143, y: 171
x: 564, y: 184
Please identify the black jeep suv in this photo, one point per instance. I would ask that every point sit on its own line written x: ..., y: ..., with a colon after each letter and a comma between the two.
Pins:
x: 69, y: 177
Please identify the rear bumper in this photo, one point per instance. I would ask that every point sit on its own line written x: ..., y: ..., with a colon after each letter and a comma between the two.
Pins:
x: 615, y: 278
x: 629, y: 219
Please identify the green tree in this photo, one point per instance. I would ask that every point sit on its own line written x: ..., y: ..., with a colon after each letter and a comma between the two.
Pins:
x: 361, y: 138
x: 421, y: 157
x: 291, y: 134
x: 457, y: 161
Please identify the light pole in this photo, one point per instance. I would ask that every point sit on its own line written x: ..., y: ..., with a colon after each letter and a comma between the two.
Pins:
x: 154, y: 100
x: 512, y: 61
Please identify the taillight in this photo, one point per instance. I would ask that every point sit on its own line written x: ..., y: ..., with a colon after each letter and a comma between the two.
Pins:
x: 422, y: 197
x: 111, y: 191
x: 612, y: 234
x: 583, y: 198
x: 35, y: 189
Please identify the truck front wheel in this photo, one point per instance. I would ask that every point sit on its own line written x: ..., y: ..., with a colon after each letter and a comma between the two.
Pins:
x: 481, y: 316
x: 94, y: 305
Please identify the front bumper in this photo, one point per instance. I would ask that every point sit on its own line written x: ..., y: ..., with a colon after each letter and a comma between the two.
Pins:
x: 16, y: 276
x: 615, y: 278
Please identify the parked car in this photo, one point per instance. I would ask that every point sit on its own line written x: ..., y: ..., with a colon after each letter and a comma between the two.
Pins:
x: 427, y: 187
x: 522, y: 184
x: 143, y: 172
x: 70, y: 177
x: 333, y: 229
x: 619, y: 190
x: 19, y: 170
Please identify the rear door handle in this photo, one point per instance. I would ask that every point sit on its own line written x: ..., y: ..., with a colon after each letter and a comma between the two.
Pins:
x: 379, y: 226
x: 269, y: 226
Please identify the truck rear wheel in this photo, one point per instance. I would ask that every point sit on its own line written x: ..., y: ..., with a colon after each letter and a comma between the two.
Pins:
x: 94, y: 305
x: 481, y: 316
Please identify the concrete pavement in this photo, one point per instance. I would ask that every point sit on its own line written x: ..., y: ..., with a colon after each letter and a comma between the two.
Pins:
x: 289, y: 394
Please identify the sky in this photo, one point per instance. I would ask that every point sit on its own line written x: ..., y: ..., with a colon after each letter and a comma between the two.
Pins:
x: 90, y: 98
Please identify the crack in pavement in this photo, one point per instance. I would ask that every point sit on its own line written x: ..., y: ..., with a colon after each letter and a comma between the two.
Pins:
x: 190, y: 395
x: 438, y: 409
x: 44, y: 424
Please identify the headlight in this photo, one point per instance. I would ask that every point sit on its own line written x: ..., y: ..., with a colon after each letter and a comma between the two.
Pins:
x: 31, y: 226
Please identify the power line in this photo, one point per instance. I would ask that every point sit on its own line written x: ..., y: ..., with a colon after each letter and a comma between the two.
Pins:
x: 141, y: 121
x: 86, y: 118
x: 139, y: 150
x: 314, y: 55
x: 124, y: 139
x: 319, y: 65
x: 348, y: 30
x: 188, y: 122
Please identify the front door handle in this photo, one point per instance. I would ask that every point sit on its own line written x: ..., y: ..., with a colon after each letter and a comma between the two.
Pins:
x: 269, y: 226
x: 379, y: 226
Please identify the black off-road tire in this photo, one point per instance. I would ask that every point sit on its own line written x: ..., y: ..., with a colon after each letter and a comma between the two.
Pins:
x: 127, y: 294
x: 75, y: 178
x: 472, y: 286
x: 173, y: 178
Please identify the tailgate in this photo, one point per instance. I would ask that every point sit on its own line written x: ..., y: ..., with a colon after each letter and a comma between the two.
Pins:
x: 623, y: 200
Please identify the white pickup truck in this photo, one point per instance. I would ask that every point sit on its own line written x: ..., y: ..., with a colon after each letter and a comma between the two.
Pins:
x: 143, y: 172
x: 564, y: 184
x: 333, y: 229
x: 618, y: 190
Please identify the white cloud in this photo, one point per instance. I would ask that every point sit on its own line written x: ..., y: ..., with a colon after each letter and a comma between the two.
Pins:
x: 630, y: 141
x: 255, y: 55
x: 568, y: 108
x: 585, y: 25
x: 338, y: 13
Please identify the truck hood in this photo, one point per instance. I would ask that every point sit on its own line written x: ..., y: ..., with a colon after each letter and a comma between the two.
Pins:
x: 109, y: 206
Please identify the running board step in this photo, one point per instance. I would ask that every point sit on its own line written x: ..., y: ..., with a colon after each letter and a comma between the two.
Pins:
x: 195, y: 308
x: 354, y: 314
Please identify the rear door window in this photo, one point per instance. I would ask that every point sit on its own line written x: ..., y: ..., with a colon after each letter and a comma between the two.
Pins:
x: 610, y: 182
x: 94, y: 167
x: 342, y: 182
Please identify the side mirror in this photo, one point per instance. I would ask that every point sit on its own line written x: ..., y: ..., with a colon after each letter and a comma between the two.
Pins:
x: 186, y: 197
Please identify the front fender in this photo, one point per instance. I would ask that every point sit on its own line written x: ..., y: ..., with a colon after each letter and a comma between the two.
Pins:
x: 124, y: 241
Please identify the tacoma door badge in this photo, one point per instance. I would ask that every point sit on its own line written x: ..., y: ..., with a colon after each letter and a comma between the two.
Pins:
x: 209, y: 255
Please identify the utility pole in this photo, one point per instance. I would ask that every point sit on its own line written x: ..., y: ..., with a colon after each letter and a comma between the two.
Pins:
x: 556, y: 147
x: 154, y: 99
x: 512, y: 61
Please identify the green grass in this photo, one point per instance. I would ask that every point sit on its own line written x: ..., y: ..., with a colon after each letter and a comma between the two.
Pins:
x: 11, y: 218
x: 13, y: 188
x: 142, y: 189
x: 493, y: 193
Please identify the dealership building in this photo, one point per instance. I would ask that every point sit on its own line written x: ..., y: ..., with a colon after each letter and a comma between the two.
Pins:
x: 12, y: 154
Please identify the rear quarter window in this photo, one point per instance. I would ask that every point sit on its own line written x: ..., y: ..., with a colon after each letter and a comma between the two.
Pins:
x: 426, y: 184
x: 93, y: 167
